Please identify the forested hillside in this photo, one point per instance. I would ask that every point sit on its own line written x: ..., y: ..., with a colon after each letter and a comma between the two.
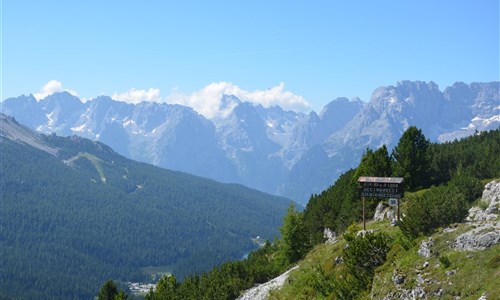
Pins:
x: 421, y: 163
x: 442, y: 182
x: 73, y: 213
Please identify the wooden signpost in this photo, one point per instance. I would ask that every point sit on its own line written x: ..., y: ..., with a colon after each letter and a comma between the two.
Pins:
x: 380, y: 187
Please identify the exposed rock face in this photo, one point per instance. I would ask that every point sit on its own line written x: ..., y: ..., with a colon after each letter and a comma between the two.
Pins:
x: 478, y: 214
x: 330, y: 236
x: 487, y: 232
x: 491, y: 196
x: 479, y: 238
x: 11, y: 129
x: 384, y: 211
x: 380, y: 211
x: 425, y: 248
x: 491, y: 199
x: 398, y: 278
x: 408, y: 294
x: 261, y: 292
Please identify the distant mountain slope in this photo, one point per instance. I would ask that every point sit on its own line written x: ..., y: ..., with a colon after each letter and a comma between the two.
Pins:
x: 394, y: 108
x: 443, y: 116
x: 74, y: 213
x: 267, y: 148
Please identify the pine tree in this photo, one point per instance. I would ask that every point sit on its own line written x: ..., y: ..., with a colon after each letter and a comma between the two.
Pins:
x: 411, y: 159
x: 166, y: 288
x: 294, y: 239
x: 108, y: 291
x: 375, y: 163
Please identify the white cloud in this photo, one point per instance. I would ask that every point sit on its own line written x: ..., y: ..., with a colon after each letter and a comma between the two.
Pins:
x: 277, y: 96
x: 135, y: 96
x: 51, y: 87
x: 208, y: 101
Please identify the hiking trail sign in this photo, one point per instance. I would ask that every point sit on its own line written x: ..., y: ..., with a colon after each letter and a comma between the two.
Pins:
x: 380, y: 187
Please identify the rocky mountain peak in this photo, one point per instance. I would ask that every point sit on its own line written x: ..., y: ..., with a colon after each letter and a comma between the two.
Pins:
x: 406, y: 91
x: 243, y: 141
x: 11, y: 129
x: 338, y: 113
x: 62, y: 100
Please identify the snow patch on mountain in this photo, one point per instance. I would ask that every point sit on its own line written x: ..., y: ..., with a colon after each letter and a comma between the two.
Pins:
x: 11, y: 129
x: 78, y: 128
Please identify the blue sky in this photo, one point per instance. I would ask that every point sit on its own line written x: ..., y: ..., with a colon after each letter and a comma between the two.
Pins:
x: 301, y: 54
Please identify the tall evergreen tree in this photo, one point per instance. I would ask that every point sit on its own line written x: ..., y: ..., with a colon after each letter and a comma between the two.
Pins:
x: 294, y: 239
x: 108, y: 291
x: 166, y: 288
x: 375, y: 163
x: 411, y: 159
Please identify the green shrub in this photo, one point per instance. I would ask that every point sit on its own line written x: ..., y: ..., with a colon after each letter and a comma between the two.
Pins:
x: 445, y: 261
x: 351, y: 231
x: 321, y: 282
x: 361, y: 257
x: 471, y: 187
x: 440, y: 206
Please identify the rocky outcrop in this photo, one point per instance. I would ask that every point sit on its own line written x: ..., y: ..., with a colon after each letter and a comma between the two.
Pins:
x: 425, y: 248
x: 398, y: 278
x: 329, y: 236
x: 478, y: 214
x: 479, y: 238
x: 408, y: 294
x: 491, y: 196
x: 261, y: 291
x: 486, y: 231
x: 490, y: 201
x: 383, y: 211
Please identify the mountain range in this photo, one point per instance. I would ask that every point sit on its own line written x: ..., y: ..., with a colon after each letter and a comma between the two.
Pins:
x: 280, y: 152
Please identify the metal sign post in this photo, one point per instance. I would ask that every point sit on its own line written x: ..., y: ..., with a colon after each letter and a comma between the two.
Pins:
x: 380, y: 187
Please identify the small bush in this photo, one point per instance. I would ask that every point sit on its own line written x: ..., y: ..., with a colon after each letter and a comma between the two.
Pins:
x: 351, y: 231
x: 469, y: 186
x: 445, y: 261
x: 440, y: 206
x: 361, y: 258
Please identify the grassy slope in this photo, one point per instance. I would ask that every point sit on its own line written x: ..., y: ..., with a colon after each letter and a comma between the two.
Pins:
x: 476, y: 271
